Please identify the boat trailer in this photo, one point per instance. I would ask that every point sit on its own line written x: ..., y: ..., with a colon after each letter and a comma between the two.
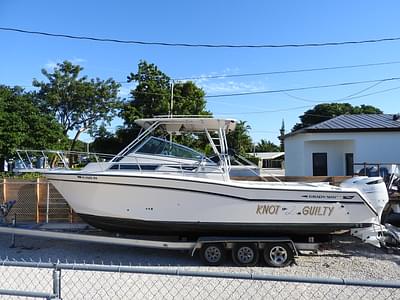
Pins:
x: 213, y: 250
x: 276, y: 251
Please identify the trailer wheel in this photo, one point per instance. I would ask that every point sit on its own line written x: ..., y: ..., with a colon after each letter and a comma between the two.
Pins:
x: 213, y: 254
x: 245, y: 254
x: 278, y: 255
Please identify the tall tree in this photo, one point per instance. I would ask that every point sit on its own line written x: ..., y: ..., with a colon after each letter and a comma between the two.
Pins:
x: 326, y: 111
x: 107, y: 142
x: 24, y: 126
x: 152, y: 95
x: 78, y: 103
x: 266, y: 146
x: 239, y: 140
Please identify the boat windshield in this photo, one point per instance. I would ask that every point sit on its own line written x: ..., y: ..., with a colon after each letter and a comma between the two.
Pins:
x: 158, y: 146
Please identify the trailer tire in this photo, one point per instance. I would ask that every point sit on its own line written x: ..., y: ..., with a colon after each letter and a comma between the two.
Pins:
x: 213, y: 254
x: 278, y: 255
x: 245, y: 254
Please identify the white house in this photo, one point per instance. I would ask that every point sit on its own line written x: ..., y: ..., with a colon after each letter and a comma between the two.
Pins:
x: 270, y: 163
x: 330, y: 148
x: 269, y: 159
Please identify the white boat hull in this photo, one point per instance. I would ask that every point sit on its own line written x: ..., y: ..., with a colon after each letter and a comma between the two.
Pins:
x: 166, y: 204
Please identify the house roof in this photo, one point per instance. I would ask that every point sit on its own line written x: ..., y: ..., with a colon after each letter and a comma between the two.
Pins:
x: 267, y: 155
x: 355, y: 123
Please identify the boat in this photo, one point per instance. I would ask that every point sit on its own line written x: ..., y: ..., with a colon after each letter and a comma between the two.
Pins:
x: 156, y: 186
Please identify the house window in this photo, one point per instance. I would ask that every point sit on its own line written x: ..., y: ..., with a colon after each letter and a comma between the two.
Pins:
x: 349, y: 164
x: 320, y: 164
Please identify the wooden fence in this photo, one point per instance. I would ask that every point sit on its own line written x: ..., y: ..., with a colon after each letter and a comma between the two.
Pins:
x: 36, y: 200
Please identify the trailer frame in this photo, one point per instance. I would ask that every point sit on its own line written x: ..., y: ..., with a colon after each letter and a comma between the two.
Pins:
x: 229, y: 243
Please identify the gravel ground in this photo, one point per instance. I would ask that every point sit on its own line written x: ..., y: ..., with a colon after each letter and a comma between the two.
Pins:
x: 345, y: 257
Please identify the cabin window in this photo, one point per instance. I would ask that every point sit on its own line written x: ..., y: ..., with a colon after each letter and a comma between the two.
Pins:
x: 157, y: 146
x: 152, y: 146
x: 134, y: 167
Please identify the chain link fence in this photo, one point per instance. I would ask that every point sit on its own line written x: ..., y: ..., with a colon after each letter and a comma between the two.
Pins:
x: 19, y: 279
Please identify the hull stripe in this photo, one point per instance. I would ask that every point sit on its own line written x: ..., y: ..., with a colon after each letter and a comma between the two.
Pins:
x: 206, y: 228
x: 211, y: 193
x: 187, y: 180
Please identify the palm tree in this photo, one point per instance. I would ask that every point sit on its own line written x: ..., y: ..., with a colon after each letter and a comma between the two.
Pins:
x: 266, y: 146
x: 239, y: 140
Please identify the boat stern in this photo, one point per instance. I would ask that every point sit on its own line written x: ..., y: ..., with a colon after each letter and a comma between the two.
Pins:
x: 373, y: 189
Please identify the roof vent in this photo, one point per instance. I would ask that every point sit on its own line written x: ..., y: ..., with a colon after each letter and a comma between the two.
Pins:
x: 396, y: 117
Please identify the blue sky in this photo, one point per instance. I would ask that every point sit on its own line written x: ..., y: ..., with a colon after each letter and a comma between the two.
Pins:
x: 220, y: 22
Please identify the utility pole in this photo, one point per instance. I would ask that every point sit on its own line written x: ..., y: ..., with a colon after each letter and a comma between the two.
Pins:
x: 171, y: 106
x: 172, y: 100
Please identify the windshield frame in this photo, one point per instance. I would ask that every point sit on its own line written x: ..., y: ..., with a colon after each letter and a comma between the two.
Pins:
x: 166, y: 147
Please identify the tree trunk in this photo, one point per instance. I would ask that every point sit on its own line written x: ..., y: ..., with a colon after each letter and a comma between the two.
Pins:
x: 70, y: 156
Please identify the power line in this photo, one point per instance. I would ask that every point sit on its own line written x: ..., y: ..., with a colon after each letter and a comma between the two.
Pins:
x: 378, y: 81
x: 344, y: 98
x: 265, y: 111
x: 272, y: 73
x: 374, y: 93
x: 290, y: 71
x: 148, y: 43
x: 308, y: 106
x: 351, y: 96
x: 302, y: 88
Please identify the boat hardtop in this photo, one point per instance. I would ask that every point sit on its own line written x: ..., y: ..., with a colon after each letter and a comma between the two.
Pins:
x: 188, y: 124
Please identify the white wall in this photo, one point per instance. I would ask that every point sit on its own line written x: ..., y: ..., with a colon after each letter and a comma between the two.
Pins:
x: 335, y: 155
x: 294, y: 156
x: 370, y: 147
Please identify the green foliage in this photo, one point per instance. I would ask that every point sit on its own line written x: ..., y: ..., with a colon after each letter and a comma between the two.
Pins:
x: 25, y: 176
x: 109, y: 143
x: 266, y: 146
x: 189, y: 100
x: 152, y: 97
x: 326, y: 111
x: 79, y: 145
x: 253, y: 159
x: 23, y: 125
x: 77, y: 102
x: 239, y: 140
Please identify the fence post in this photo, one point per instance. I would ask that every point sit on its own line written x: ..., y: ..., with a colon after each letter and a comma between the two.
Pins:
x: 37, y: 199
x: 4, y: 190
x: 71, y: 215
x: 47, y: 202
x: 57, y: 282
